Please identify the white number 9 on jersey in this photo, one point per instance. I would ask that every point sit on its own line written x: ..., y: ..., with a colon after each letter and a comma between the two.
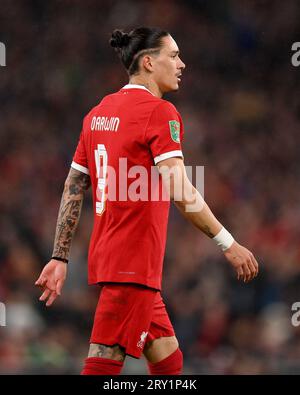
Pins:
x: 101, y: 166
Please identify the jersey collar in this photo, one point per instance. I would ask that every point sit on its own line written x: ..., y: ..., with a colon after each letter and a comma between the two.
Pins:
x: 135, y: 86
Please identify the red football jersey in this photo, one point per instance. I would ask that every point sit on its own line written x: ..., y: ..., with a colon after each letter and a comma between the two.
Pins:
x: 122, y: 139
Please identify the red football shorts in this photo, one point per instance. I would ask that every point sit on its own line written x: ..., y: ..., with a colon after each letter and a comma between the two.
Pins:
x: 130, y: 315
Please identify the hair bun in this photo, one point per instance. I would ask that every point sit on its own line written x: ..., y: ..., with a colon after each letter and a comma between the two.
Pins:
x: 119, y: 39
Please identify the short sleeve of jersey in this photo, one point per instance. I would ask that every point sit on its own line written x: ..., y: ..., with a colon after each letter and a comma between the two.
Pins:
x: 164, y: 132
x: 80, y: 161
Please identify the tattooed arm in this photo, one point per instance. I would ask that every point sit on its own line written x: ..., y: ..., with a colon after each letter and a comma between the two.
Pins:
x: 53, y: 275
x: 193, y: 207
x: 69, y: 212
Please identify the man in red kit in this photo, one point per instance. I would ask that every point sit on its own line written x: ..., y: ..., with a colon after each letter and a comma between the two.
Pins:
x: 132, y: 129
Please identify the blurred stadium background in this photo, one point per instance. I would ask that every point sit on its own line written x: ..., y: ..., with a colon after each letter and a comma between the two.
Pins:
x: 239, y: 99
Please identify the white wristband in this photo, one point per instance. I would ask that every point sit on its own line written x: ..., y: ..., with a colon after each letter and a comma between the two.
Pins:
x: 224, y: 239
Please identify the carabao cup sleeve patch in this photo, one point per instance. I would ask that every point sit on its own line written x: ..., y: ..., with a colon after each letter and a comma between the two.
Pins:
x: 175, y: 131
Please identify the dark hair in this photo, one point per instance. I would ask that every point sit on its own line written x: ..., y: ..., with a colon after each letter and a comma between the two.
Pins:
x: 130, y: 46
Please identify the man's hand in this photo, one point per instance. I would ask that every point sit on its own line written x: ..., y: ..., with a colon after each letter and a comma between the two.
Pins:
x: 51, y: 280
x: 243, y: 262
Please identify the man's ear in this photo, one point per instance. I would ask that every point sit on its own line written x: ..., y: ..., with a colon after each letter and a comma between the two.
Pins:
x: 147, y: 62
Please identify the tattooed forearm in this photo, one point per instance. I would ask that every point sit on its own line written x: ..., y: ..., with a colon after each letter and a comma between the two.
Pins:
x: 69, y: 212
x: 203, y: 219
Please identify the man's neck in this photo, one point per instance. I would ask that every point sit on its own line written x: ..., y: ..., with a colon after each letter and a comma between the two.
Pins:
x: 149, y: 84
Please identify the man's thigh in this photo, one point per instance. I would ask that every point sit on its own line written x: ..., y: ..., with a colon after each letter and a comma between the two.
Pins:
x: 123, y: 317
x: 161, y: 340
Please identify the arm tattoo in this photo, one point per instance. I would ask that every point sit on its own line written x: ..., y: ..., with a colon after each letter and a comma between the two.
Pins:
x: 69, y: 211
x: 207, y: 231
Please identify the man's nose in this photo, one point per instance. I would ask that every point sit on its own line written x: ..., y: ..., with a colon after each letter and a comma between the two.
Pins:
x: 181, y: 65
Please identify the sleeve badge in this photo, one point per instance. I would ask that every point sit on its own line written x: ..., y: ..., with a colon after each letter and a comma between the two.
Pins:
x: 175, y: 131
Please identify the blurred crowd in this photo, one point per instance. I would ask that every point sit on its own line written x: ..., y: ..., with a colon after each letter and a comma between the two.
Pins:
x: 239, y: 100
